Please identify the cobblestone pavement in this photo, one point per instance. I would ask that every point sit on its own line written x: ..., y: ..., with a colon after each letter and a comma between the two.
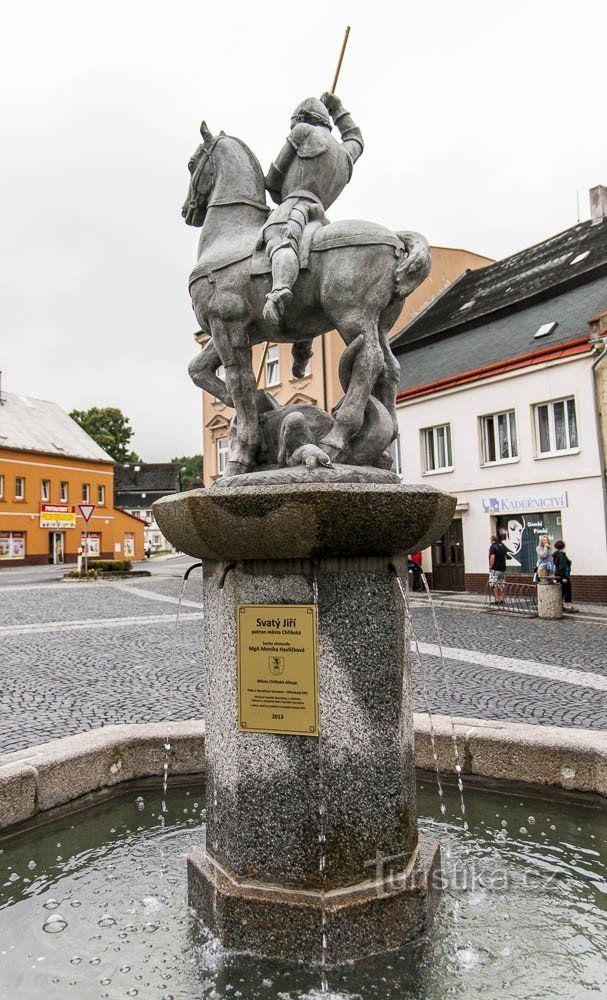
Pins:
x: 77, y: 656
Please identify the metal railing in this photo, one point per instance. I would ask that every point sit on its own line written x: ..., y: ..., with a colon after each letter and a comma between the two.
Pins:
x: 518, y: 599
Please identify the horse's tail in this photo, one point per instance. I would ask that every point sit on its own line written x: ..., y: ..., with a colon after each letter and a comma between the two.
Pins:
x: 414, y: 267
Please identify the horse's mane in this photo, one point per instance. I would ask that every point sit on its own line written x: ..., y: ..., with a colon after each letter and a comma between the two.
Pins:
x: 251, y: 155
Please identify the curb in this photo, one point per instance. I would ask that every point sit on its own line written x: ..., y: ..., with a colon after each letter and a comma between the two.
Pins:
x: 50, y: 775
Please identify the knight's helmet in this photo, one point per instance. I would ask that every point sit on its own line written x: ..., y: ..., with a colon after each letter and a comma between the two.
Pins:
x: 312, y: 111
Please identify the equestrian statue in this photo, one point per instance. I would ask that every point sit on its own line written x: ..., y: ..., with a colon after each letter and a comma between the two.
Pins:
x: 288, y: 275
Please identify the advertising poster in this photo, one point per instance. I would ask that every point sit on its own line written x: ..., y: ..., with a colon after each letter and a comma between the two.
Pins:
x: 521, y: 536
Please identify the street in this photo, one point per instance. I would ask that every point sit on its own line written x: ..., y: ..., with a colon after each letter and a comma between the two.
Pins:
x: 77, y: 656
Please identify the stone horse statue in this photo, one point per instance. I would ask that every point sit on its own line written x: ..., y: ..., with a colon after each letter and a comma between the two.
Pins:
x: 354, y: 276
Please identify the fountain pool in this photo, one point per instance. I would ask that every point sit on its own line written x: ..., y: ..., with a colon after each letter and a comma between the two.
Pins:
x: 94, y: 905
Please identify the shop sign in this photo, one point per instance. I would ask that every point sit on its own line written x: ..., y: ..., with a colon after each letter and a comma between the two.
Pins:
x: 57, y: 515
x: 505, y: 505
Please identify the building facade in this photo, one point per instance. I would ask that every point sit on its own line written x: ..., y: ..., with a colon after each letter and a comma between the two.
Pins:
x: 48, y: 466
x: 502, y: 403
x: 320, y: 385
x: 136, y: 487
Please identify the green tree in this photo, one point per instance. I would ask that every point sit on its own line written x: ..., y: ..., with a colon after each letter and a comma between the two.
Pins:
x: 191, y: 468
x: 109, y: 427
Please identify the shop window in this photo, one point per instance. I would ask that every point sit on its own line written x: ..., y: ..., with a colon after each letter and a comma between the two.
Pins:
x: 438, y: 456
x: 86, y: 493
x: 45, y: 489
x: 19, y: 487
x: 129, y: 543
x: 221, y: 446
x: 12, y: 544
x: 64, y: 492
x: 93, y: 543
x: 101, y: 495
x: 272, y: 366
x: 396, y: 460
x: 556, y: 427
x: 1, y: 487
x: 499, y: 442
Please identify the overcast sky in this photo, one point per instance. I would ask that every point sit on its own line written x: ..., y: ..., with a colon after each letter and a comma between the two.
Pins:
x: 482, y: 121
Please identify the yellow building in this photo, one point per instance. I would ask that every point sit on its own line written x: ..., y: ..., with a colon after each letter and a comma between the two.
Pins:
x: 48, y: 466
x: 320, y: 385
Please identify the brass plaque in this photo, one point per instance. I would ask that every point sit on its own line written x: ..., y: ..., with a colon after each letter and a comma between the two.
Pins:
x: 277, y: 674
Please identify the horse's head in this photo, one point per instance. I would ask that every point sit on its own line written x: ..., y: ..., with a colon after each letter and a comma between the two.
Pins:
x: 202, y: 179
x: 222, y: 166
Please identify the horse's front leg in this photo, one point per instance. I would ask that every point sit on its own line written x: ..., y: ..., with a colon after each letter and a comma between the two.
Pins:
x: 235, y: 351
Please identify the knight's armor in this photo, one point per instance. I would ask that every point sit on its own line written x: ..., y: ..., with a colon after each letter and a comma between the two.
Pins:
x: 310, y: 172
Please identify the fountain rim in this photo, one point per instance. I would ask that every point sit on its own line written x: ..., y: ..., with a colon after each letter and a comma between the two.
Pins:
x: 40, y: 783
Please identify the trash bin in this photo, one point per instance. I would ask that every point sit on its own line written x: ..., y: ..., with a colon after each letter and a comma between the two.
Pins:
x: 549, y: 599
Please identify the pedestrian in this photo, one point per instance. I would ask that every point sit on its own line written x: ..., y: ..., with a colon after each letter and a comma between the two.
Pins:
x: 562, y: 571
x: 497, y: 568
x: 415, y: 565
x: 545, y: 566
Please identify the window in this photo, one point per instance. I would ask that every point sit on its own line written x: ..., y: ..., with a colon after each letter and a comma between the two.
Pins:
x: 129, y: 543
x: 86, y: 493
x: 12, y: 545
x: 396, y: 462
x: 1, y: 487
x: 272, y: 366
x: 64, y: 494
x: 45, y: 489
x: 499, y: 437
x: 93, y: 543
x: 222, y: 454
x: 19, y: 487
x: 437, y: 448
x: 101, y: 495
x: 556, y: 427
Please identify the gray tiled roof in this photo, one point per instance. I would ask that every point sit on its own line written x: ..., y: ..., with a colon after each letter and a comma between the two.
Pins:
x: 570, y: 258
x: 502, y: 336
x: 155, y: 479
x: 38, y: 425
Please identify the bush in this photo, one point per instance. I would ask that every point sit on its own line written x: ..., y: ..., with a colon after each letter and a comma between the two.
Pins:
x: 110, y: 565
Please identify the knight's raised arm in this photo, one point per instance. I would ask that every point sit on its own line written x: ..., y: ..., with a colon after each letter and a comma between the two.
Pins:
x: 276, y: 174
x: 351, y: 135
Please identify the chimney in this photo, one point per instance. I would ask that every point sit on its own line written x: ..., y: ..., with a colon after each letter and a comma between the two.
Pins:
x: 598, y: 203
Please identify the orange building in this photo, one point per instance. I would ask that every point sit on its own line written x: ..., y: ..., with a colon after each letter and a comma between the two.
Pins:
x: 48, y: 466
x: 320, y: 385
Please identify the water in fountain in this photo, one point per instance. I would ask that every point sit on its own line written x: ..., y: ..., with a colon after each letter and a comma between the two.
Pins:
x: 447, y: 683
x: 534, y: 907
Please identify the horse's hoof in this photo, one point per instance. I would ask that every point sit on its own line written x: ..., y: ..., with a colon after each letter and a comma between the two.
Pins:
x: 236, y: 469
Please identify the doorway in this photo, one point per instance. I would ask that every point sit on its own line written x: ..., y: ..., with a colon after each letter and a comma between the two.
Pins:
x: 56, y: 548
x: 448, y: 567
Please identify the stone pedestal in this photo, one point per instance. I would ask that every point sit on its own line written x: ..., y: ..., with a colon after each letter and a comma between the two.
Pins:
x: 312, y: 849
x: 549, y: 600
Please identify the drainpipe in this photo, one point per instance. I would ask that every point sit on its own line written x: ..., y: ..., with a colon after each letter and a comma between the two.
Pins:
x: 599, y: 346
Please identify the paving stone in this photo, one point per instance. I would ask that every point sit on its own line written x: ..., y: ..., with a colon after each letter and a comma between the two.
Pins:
x: 63, y: 682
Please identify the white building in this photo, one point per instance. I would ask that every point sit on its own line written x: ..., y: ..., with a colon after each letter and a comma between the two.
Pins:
x: 502, y: 399
x: 137, y: 486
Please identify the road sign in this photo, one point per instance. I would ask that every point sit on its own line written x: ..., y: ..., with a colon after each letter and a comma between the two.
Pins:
x: 86, y: 509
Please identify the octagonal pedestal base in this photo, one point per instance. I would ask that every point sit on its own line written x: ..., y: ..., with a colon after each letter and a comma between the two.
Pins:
x: 361, y: 920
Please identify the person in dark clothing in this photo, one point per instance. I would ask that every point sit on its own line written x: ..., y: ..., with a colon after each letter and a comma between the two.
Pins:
x: 415, y: 565
x: 562, y: 571
x: 497, y: 569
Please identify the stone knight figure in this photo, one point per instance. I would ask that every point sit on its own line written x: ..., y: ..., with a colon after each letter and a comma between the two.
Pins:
x: 309, y: 173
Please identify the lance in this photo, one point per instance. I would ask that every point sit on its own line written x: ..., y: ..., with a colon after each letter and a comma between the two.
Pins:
x: 341, y: 59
